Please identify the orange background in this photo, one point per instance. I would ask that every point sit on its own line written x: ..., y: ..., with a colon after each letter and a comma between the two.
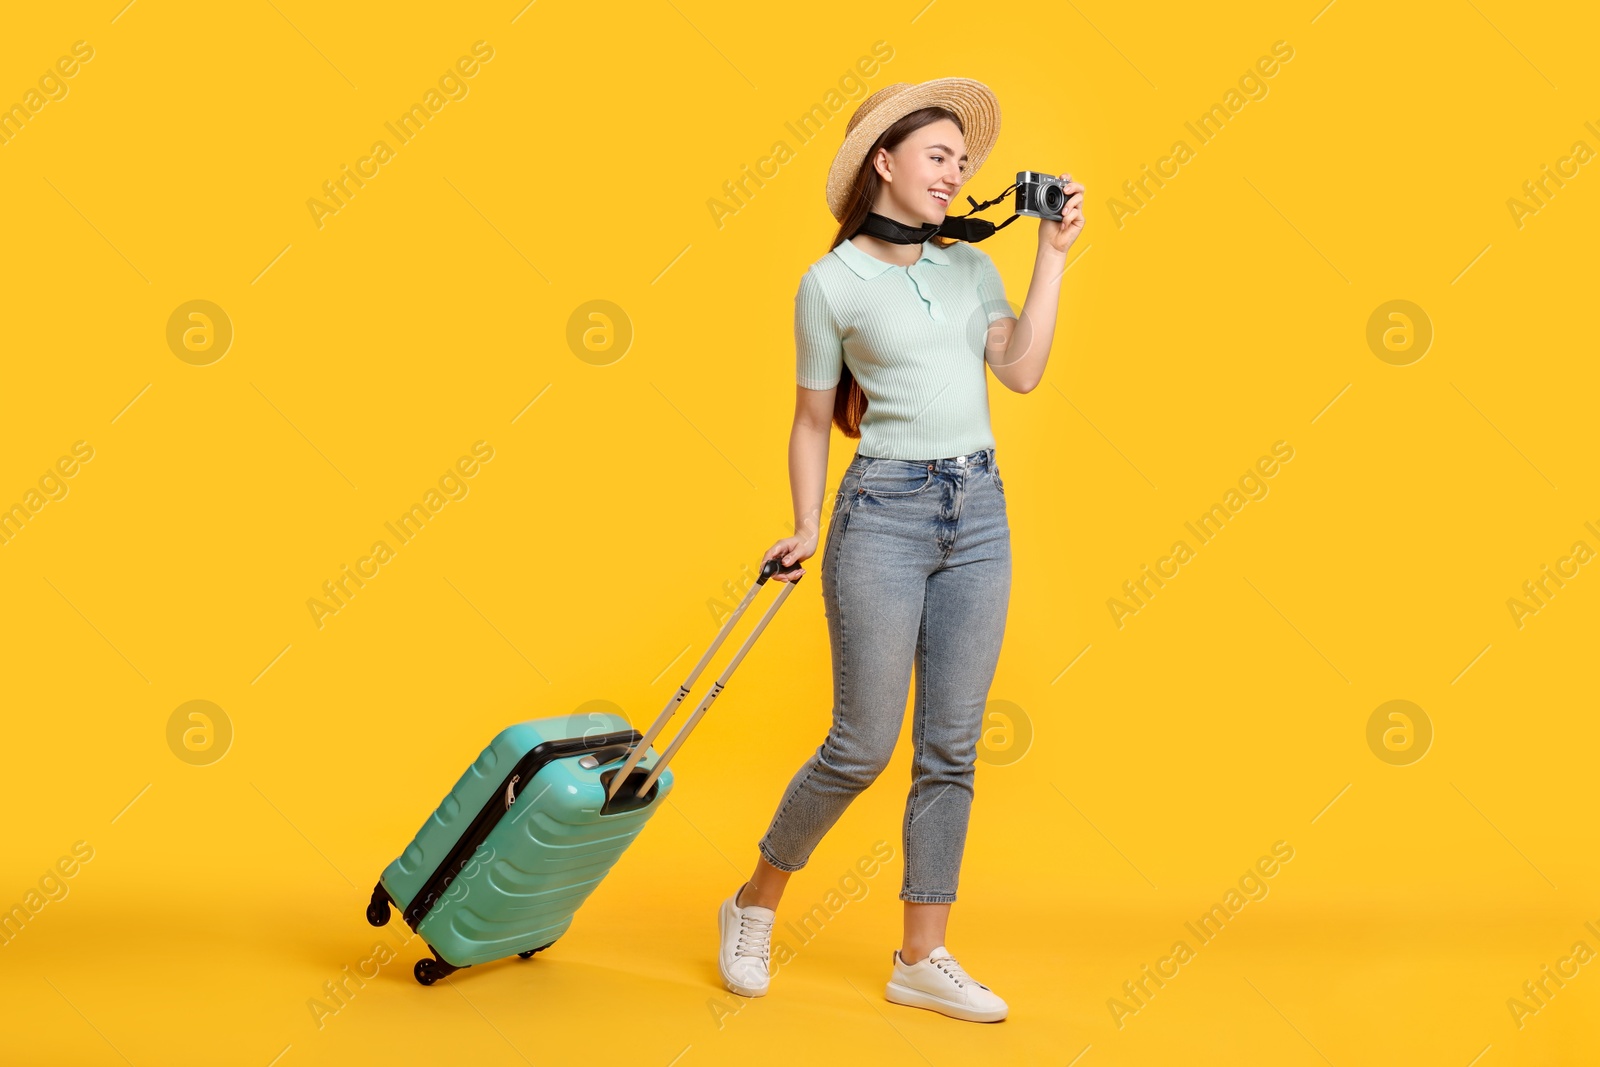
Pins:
x: 1132, y: 775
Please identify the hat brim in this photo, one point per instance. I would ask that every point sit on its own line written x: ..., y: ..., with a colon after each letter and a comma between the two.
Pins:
x: 974, y: 101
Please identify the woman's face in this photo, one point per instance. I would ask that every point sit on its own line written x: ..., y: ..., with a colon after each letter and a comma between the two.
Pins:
x: 922, y: 176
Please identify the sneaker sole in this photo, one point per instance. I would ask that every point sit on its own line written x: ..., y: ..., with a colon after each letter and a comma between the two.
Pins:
x: 722, y: 934
x: 915, y: 998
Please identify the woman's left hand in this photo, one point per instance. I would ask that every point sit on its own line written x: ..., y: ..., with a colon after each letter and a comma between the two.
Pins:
x: 1059, y: 236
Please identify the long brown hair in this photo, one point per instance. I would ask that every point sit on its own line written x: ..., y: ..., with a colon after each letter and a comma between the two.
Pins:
x: 849, y: 401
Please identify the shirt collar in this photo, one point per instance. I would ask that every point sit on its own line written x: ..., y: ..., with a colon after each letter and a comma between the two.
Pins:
x: 867, y: 265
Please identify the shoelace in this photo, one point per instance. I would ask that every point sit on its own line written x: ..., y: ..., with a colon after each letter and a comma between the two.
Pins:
x: 949, y: 966
x: 755, y: 937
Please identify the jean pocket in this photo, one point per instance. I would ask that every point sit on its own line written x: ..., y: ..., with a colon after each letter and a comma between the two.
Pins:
x: 998, y: 483
x: 896, y: 478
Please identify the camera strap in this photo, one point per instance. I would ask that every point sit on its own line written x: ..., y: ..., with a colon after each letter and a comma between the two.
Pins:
x: 966, y: 227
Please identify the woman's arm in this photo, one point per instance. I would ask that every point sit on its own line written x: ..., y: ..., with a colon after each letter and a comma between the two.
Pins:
x: 1018, y: 349
x: 808, y: 473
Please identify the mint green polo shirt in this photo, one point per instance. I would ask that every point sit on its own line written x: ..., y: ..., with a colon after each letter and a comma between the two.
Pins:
x: 912, y: 337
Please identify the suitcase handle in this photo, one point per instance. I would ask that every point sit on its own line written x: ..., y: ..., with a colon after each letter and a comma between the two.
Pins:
x: 604, y: 755
x: 770, y: 567
x: 589, y: 760
x: 773, y: 566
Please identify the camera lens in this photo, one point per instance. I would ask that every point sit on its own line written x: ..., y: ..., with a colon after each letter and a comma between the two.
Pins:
x: 1054, y: 199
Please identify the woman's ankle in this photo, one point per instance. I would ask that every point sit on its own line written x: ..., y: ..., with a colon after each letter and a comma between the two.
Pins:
x: 914, y: 955
x: 742, y: 901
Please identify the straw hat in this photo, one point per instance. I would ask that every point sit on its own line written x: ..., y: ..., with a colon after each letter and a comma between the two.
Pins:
x: 974, y: 101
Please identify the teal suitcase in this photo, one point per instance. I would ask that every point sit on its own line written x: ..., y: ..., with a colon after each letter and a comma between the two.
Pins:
x: 540, y: 817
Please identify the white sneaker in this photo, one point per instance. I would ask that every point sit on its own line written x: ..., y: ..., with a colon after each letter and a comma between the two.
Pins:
x: 938, y: 982
x: 746, y: 946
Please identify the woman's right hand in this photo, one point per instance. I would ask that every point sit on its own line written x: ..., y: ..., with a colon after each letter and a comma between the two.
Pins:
x: 789, y: 551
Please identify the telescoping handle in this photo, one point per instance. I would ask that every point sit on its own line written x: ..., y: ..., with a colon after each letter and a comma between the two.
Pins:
x: 768, y: 569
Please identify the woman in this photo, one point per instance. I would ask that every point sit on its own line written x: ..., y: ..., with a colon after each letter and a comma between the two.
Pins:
x: 917, y: 568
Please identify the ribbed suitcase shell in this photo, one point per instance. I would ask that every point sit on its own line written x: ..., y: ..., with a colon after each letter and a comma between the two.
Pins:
x: 542, y: 859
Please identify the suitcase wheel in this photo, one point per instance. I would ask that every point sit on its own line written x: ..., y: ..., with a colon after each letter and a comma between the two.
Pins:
x: 531, y: 951
x: 378, y: 907
x: 429, y: 970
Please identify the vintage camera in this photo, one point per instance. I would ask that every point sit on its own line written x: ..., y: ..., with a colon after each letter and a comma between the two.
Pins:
x: 1041, y: 195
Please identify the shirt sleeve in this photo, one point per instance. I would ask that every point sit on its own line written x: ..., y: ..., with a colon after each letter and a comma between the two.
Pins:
x: 819, y: 357
x: 991, y: 289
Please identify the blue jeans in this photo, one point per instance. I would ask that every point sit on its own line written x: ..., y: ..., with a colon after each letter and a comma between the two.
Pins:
x: 916, y: 570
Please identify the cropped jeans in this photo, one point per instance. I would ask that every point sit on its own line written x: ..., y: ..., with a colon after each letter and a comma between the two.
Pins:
x: 916, y: 571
